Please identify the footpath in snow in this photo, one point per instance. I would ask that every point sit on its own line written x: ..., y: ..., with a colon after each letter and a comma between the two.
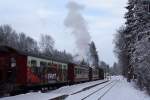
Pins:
x: 125, y: 91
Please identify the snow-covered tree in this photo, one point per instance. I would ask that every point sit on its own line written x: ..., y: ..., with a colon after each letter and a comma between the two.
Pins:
x: 47, y: 44
x: 141, y: 54
x: 130, y: 36
x: 124, y: 40
x: 121, y: 50
x: 26, y: 43
x: 115, y: 69
x: 62, y: 55
x: 22, y: 42
x: 8, y: 36
x: 136, y: 38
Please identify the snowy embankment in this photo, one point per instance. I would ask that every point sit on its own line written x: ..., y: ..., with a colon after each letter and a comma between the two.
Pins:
x: 66, y: 90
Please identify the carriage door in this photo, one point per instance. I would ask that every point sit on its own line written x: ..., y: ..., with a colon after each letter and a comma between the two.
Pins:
x: 4, y: 64
x: 64, y: 73
x: 11, y: 72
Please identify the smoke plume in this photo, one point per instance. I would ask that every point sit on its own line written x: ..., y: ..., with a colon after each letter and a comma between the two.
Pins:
x: 77, y: 24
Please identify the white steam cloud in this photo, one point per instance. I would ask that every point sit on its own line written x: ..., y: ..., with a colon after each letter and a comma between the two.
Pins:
x: 78, y: 26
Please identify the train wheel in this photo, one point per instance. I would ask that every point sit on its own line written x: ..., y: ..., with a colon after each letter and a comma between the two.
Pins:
x: 44, y: 89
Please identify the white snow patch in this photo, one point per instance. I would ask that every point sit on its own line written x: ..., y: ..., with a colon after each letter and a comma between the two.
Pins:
x: 66, y: 90
x: 121, y: 91
x: 125, y: 91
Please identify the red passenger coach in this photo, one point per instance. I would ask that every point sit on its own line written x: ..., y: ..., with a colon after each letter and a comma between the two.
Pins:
x: 78, y: 73
x: 71, y: 73
x: 81, y: 73
x: 23, y: 71
x: 20, y: 70
x: 10, y: 64
x: 96, y: 73
x: 101, y: 73
x: 13, y: 68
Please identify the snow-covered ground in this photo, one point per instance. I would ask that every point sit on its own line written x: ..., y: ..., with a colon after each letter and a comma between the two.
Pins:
x: 66, y: 90
x: 121, y: 90
x: 81, y: 95
x: 125, y: 91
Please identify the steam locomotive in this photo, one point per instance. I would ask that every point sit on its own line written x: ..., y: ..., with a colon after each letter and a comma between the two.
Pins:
x: 24, y: 71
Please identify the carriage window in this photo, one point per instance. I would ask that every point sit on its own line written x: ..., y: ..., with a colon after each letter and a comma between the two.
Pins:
x: 13, y: 62
x: 33, y: 63
x: 60, y: 66
x: 65, y: 67
x: 28, y: 62
x: 49, y: 64
x: 79, y: 71
x: 43, y: 64
x: 75, y: 70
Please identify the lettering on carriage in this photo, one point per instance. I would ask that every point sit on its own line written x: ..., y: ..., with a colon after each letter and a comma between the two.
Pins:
x: 51, y: 76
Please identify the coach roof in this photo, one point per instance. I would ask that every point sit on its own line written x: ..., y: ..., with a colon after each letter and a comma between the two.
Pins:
x: 8, y: 49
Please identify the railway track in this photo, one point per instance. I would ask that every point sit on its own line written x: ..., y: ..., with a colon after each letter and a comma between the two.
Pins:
x: 62, y: 97
x: 101, y: 90
x: 87, y: 88
x: 107, y: 91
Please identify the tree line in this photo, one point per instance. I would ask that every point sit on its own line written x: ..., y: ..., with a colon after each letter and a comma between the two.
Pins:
x: 132, y: 43
x: 46, y: 47
x: 22, y: 42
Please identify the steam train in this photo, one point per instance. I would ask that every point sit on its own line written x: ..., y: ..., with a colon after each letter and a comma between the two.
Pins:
x: 24, y: 71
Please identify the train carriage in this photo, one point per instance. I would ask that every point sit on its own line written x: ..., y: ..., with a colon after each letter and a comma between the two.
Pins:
x: 101, y: 73
x: 21, y: 69
x: 46, y: 70
x: 78, y: 73
x: 95, y: 73
x: 10, y: 64
x: 27, y: 71
x: 81, y: 73
x: 40, y: 71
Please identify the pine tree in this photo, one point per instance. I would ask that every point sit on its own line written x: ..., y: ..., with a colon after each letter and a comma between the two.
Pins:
x: 94, y: 55
x: 136, y: 41
x: 129, y: 36
x: 121, y: 50
x: 141, y: 54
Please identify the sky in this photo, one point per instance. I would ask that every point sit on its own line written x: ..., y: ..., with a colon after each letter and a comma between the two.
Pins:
x: 36, y: 17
